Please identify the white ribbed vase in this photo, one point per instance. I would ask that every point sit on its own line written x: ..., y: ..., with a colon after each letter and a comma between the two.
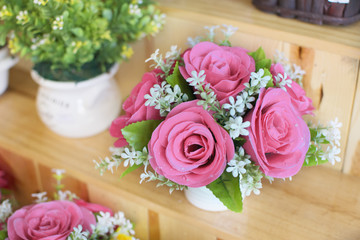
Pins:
x: 80, y: 109
x: 6, y: 62
x: 204, y: 199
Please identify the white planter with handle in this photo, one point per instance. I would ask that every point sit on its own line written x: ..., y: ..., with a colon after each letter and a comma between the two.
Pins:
x: 6, y: 62
x: 80, y: 109
x: 204, y: 199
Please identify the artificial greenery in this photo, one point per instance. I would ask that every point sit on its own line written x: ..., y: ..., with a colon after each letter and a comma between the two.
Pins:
x: 75, y: 35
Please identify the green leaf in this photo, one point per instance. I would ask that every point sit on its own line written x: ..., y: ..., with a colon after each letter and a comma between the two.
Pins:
x: 177, y: 79
x: 78, y: 32
x: 260, y: 59
x: 314, y: 161
x: 138, y: 134
x: 268, y: 73
x: 227, y: 189
x: 107, y: 13
x: 130, y: 169
x: 3, y: 234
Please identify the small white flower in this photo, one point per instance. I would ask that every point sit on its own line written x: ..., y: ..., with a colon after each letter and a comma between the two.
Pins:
x: 234, y: 107
x: 58, y: 23
x: 40, y: 197
x: 229, y: 30
x: 331, y: 154
x: 193, y: 41
x: 197, y: 78
x: 211, y: 34
x: 5, y: 210
x: 282, y: 81
x: 236, y: 126
x: 134, y: 9
x: 78, y: 234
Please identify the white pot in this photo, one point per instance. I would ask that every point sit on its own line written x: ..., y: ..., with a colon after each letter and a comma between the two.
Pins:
x: 80, y: 109
x: 204, y: 199
x: 6, y: 62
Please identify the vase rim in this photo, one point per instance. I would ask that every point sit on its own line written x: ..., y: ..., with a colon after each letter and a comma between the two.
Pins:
x: 70, y: 85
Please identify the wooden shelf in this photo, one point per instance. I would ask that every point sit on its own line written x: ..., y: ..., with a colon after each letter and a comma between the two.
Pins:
x: 341, y: 40
x: 319, y: 203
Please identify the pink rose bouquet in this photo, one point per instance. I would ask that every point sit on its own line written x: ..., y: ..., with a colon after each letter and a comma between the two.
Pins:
x: 65, y: 218
x: 221, y: 117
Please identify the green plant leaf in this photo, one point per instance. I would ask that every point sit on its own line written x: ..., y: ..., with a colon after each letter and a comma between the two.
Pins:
x: 78, y: 32
x: 130, y: 169
x: 260, y: 59
x: 177, y: 79
x: 314, y: 161
x: 227, y: 189
x: 3, y: 234
x: 138, y: 134
x: 268, y: 73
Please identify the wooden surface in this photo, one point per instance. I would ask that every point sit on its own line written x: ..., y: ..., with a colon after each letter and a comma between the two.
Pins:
x: 319, y: 203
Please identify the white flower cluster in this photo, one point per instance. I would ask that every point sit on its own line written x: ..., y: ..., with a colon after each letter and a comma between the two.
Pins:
x: 157, y: 22
x: 126, y: 156
x: 134, y: 10
x: 164, y: 97
x: 237, y: 127
x: 249, y: 174
x: 22, y: 17
x: 227, y: 30
x: 58, y: 23
x: 66, y: 195
x: 5, y: 210
x: 165, y: 64
x: 106, y: 226
x: 149, y: 176
x: 333, y: 135
x: 292, y: 70
x: 258, y: 80
x: 41, y: 2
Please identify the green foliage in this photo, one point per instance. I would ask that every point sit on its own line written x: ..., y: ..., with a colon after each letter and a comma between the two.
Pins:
x: 260, y: 59
x: 268, y: 73
x: 315, y: 151
x: 227, y: 189
x: 130, y: 169
x: 177, y: 79
x: 138, y: 134
x: 3, y: 234
x: 70, y: 33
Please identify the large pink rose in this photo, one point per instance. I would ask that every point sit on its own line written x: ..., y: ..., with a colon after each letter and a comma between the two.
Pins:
x: 53, y: 220
x: 226, y: 68
x: 189, y: 147
x: 278, y: 137
x: 135, y: 109
x: 298, y: 95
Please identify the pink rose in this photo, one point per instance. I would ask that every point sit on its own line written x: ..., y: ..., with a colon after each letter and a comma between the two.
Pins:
x: 298, y: 95
x: 135, y: 108
x: 93, y: 207
x: 189, y: 147
x: 226, y: 68
x: 278, y: 137
x: 53, y: 220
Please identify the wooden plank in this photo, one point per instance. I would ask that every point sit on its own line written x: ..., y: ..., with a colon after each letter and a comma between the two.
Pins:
x: 24, y: 172
x: 352, y: 155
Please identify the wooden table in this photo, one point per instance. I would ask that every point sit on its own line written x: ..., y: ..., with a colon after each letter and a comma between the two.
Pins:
x: 319, y: 203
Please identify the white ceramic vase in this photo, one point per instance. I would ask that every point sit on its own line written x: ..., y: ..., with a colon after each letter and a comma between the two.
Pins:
x: 6, y: 62
x: 78, y: 110
x: 204, y: 199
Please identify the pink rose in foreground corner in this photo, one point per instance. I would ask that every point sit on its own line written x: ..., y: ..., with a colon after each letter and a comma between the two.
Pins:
x: 135, y: 108
x: 298, y: 95
x: 226, y: 68
x: 278, y: 137
x: 48, y: 220
x: 93, y: 207
x: 189, y: 147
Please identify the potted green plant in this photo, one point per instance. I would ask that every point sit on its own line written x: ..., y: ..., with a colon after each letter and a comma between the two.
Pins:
x: 76, y: 45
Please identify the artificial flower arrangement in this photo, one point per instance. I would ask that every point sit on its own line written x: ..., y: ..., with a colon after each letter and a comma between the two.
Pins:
x: 222, y: 117
x: 65, y: 218
x: 71, y: 40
